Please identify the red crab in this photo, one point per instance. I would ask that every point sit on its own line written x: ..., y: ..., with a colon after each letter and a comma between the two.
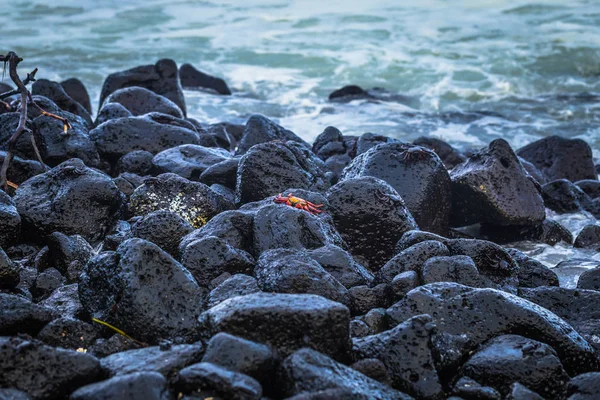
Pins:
x: 297, y: 202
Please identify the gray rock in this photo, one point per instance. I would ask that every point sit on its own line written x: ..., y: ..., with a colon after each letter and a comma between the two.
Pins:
x: 135, y: 386
x: 140, y: 101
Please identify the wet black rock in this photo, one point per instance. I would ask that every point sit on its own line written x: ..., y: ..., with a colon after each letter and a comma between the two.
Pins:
x: 77, y: 91
x: 467, y: 388
x: 459, y: 269
x: 20, y: 315
x: 492, y: 186
x: 287, y: 322
x: 211, y: 256
x: 557, y: 158
x: 224, y: 173
x: 10, y: 221
x: 191, y: 78
x: 165, y: 306
x: 168, y: 362
x: 589, y: 238
x: 69, y: 333
x: 162, y: 78
x: 591, y: 187
x: 373, y: 368
x: 8, y: 125
x: 349, y: 93
x: 359, y: 328
x: 368, y: 140
x: 69, y: 198
x: 44, y: 372
x: 137, y: 162
x: 520, y: 392
x: 65, y: 302
x: 21, y: 169
x: 68, y: 254
x: 9, y: 272
x: 57, y: 146
x: 210, y: 378
x: 57, y: 93
x: 235, y: 227
x: 370, y: 216
x: 563, y: 196
x: 193, y: 201
x: 236, y: 285
x: 307, y: 370
x: 163, y: 228
x: 111, y: 111
x: 340, y: 264
x: 253, y: 359
x: 260, y: 129
x: 293, y: 271
x: 548, y: 231
x: 330, y: 142
x: 13, y: 394
x: 509, y: 358
x: 188, y: 160
x: 532, y: 273
x: 411, y: 259
x: 454, y: 306
x: 584, y: 387
x: 117, y: 137
x: 533, y: 171
x: 140, y: 101
x: 448, y: 154
x: 115, y: 344
x: 404, y: 283
x: 406, y: 352
x: 280, y: 226
x: 590, y: 279
x: 46, y: 282
x: 267, y: 169
x: 416, y: 173
x: 135, y: 386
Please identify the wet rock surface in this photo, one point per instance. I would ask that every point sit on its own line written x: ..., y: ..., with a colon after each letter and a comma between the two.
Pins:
x: 140, y: 101
x: 191, y: 78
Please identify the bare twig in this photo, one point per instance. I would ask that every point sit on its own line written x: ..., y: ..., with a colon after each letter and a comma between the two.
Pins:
x: 26, y: 98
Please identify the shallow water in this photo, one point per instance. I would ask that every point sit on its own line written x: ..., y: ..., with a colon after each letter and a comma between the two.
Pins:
x: 472, y: 71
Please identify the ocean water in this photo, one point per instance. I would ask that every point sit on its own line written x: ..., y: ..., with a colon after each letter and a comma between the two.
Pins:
x: 468, y: 71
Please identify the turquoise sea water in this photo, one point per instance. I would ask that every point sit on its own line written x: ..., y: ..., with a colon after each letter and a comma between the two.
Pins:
x: 531, y: 68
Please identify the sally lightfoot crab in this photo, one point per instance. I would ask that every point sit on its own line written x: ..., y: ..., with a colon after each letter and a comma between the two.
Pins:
x: 297, y: 202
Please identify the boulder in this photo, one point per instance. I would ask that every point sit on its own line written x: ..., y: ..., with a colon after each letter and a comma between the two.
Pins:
x: 448, y: 154
x: 532, y: 273
x: 269, y: 168
x: 590, y: 279
x: 591, y: 187
x: 188, y: 160
x: 163, y: 228
x: 9, y: 272
x: 20, y: 315
x: 509, y: 358
x: 406, y: 352
x: 143, y: 291
x: 416, y: 173
x: 68, y: 254
x: 329, y: 143
x: 260, y: 129
x: 162, y: 78
x: 236, y: 285
x: 293, y: 271
x: 57, y: 93
x: 340, y: 264
x: 77, y: 91
x: 561, y: 158
x: 137, y: 162
x: 44, y: 372
x: 140, y: 101
x: 287, y: 322
x: 71, y: 199
x: 563, y: 196
x: 223, y: 172
x: 226, y: 384
x: 492, y: 186
x: 584, y: 387
x: 117, y: 137
x: 64, y: 301
x: 234, y: 226
x: 195, y: 202
x: 588, y: 238
x: 135, y: 386
x: 111, y: 111
x: 191, y: 78
x: 307, y: 370
x: 370, y: 216
x: 455, y: 307
x: 69, y: 333
x: 22, y: 169
x: 411, y: 259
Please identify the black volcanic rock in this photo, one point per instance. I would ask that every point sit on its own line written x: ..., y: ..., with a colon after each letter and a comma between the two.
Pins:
x: 69, y: 198
x: 77, y: 91
x: 162, y: 78
x: 561, y: 158
x: 370, y: 216
x: 144, y: 291
x: 57, y: 93
x: 287, y: 322
x: 492, y: 186
x: 260, y: 129
x: 188, y: 160
x: 416, y: 173
x: 140, y: 101
x: 10, y: 221
x: 191, y: 78
x: 135, y: 386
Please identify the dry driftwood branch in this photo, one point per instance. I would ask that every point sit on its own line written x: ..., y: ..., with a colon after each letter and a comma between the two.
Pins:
x: 13, y: 61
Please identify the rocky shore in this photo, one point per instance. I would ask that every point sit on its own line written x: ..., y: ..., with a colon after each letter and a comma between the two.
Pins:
x: 166, y: 229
